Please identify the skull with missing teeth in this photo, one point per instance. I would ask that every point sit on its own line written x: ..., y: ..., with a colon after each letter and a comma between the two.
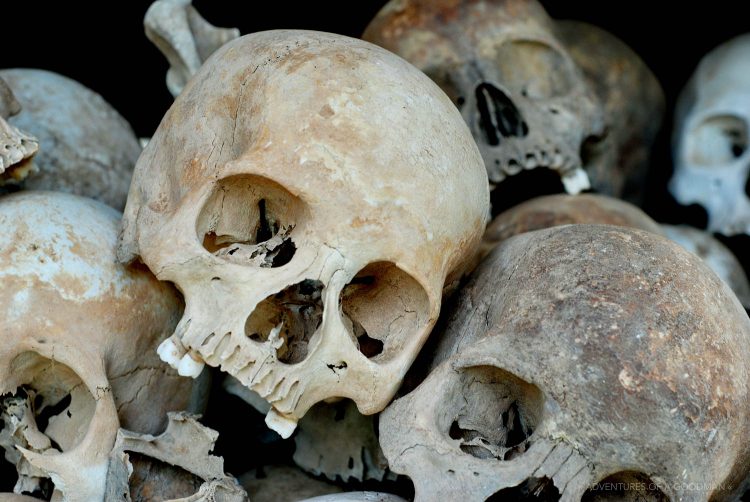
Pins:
x: 309, y: 194
x: 522, y: 95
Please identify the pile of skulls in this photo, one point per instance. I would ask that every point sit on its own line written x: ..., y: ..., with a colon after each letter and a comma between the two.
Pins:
x: 312, y: 208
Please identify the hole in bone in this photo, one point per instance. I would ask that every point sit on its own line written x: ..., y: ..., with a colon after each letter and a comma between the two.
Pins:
x: 153, y: 479
x: 288, y: 319
x: 52, y: 410
x: 536, y: 489
x: 718, y: 141
x: 249, y: 220
x: 537, y: 69
x: 494, y: 413
x: 625, y: 486
x: 498, y: 116
x: 383, y: 306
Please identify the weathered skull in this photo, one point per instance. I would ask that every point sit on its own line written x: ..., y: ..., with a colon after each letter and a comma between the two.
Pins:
x: 79, y: 335
x: 554, y: 210
x: 633, y: 101
x: 580, y: 354
x: 185, y: 444
x: 716, y: 255
x: 86, y: 147
x: 184, y: 37
x: 711, y: 154
x: 309, y: 194
x: 522, y: 95
x: 16, y: 147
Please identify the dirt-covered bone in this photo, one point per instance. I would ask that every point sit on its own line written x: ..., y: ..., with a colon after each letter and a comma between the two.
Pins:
x: 78, y: 337
x: 185, y: 444
x: 336, y: 441
x: 312, y: 236
x: 575, y: 353
x: 85, y: 146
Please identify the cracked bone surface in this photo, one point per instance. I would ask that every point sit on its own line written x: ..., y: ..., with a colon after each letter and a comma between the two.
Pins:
x: 79, y: 334
x: 336, y: 441
x: 716, y: 255
x: 85, y: 146
x: 185, y: 444
x: 16, y: 147
x: 521, y: 93
x: 578, y: 355
x: 184, y: 37
x: 554, y: 210
x: 710, y: 138
x: 311, y: 236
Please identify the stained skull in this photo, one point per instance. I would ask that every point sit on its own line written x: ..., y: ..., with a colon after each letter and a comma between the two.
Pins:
x: 309, y: 194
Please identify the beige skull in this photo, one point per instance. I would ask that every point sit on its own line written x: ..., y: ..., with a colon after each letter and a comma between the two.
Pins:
x: 309, y: 194
x: 578, y: 355
x: 79, y: 336
x: 522, y: 95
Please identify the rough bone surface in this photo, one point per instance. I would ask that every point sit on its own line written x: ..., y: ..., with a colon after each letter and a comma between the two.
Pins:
x: 716, y: 255
x: 576, y: 355
x: 521, y: 93
x: 184, y: 37
x: 336, y: 441
x: 311, y: 237
x: 79, y: 335
x: 185, y: 444
x: 85, y: 146
x: 16, y: 147
x: 710, y: 138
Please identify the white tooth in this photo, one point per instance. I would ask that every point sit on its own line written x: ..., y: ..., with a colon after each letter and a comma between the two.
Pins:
x: 498, y: 177
x: 283, y: 425
x: 512, y: 168
x: 576, y: 181
x: 170, y: 352
x: 189, y: 367
x: 531, y: 162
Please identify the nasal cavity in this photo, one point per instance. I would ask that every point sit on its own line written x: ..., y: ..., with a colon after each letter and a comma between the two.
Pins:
x: 498, y: 116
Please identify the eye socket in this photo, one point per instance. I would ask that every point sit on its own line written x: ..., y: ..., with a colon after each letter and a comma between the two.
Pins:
x: 383, y: 307
x: 248, y: 220
x: 55, y: 399
x: 493, y: 414
x: 535, y: 70
x: 717, y: 141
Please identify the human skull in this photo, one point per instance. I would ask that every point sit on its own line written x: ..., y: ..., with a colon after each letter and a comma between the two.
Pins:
x: 86, y: 147
x: 576, y: 355
x: 309, y: 194
x: 522, y: 95
x: 184, y: 37
x: 79, y: 336
x: 16, y: 147
x: 711, y: 154
x: 633, y: 102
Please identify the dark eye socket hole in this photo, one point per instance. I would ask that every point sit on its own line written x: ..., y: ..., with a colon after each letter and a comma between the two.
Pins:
x: 718, y: 140
x: 383, y: 306
x: 248, y: 220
